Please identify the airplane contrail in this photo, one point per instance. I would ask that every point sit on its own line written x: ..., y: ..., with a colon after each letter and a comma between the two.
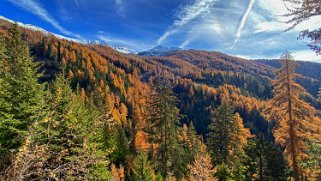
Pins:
x: 187, y: 14
x: 243, y: 21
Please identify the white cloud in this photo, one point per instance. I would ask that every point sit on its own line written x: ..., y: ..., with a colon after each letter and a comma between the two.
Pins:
x: 35, y: 8
x: 307, y: 55
x: 275, y: 7
x: 185, y: 43
x: 242, y: 23
x: 134, y: 44
x: 270, y: 26
x: 204, y: 29
x: 302, y: 55
x: 274, y: 20
x: 269, y: 16
x: 186, y: 15
x: 120, y: 7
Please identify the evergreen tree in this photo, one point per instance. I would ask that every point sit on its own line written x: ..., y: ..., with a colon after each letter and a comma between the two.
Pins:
x: 264, y: 161
x: 191, y: 145
x: 295, y: 121
x: 219, y: 133
x: 224, y: 173
x: 226, y: 140
x: 2, y: 55
x: 164, y: 119
x: 121, y: 146
x: 141, y: 168
x: 21, y: 95
x: 194, y: 146
x: 313, y: 163
x: 67, y: 141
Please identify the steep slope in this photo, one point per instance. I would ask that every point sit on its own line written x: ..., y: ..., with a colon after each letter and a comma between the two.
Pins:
x: 209, y: 67
x: 310, y: 71
x: 201, y: 79
x: 159, y: 51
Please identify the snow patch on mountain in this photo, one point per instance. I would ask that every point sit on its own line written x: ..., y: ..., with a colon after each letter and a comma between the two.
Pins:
x: 36, y: 28
x: 159, y: 51
x: 124, y: 50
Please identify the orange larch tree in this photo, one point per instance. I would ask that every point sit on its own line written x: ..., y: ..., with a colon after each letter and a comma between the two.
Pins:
x: 293, y: 117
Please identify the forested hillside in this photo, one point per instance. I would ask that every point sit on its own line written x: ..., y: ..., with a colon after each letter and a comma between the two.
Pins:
x: 72, y: 111
x: 310, y: 71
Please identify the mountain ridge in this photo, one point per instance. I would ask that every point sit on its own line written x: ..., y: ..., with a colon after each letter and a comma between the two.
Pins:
x: 199, y: 77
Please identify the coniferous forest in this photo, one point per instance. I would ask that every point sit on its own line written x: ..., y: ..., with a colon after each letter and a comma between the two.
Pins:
x: 75, y: 111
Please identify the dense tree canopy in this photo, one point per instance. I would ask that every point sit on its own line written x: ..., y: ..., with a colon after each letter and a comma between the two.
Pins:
x: 95, y: 113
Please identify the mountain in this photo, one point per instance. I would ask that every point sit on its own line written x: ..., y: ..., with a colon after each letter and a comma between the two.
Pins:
x: 36, y: 28
x: 108, y: 104
x: 159, y: 51
x: 125, y: 50
x: 309, y: 69
x: 121, y: 49
x: 206, y: 67
x: 200, y: 78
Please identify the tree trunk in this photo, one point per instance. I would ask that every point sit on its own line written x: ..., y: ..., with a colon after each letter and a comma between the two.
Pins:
x: 261, y: 167
x: 292, y: 131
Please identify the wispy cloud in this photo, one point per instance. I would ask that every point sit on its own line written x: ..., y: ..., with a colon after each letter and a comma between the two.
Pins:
x: 186, y: 15
x: 274, y: 20
x: 186, y: 42
x: 243, y: 21
x: 35, y: 8
x: 306, y: 55
x: 119, y: 7
x: 115, y: 41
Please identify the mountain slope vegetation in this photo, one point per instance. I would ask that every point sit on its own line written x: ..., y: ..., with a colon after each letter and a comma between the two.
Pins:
x: 139, y: 110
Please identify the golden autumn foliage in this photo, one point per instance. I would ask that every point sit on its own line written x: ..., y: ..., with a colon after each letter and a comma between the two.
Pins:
x: 295, y: 119
x: 140, y: 141
x: 118, y: 173
x: 201, y: 82
x: 243, y: 133
x: 202, y: 169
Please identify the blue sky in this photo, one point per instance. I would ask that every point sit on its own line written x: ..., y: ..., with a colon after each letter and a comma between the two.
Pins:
x: 246, y: 28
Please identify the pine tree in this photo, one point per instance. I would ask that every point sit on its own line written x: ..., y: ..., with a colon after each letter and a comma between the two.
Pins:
x: 193, y: 140
x: 121, y: 146
x: 163, y: 119
x: 313, y: 163
x: 21, y: 95
x: 68, y: 140
x: 219, y: 133
x: 141, y: 168
x: 223, y: 172
x: 227, y: 138
x: 2, y: 55
x: 190, y: 142
x: 264, y: 161
x: 294, y: 118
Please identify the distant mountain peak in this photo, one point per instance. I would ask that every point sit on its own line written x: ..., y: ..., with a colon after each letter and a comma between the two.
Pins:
x: 37, y: 28
x: 125, y: 50
x: 159, y: 51
x: 121, y: 49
